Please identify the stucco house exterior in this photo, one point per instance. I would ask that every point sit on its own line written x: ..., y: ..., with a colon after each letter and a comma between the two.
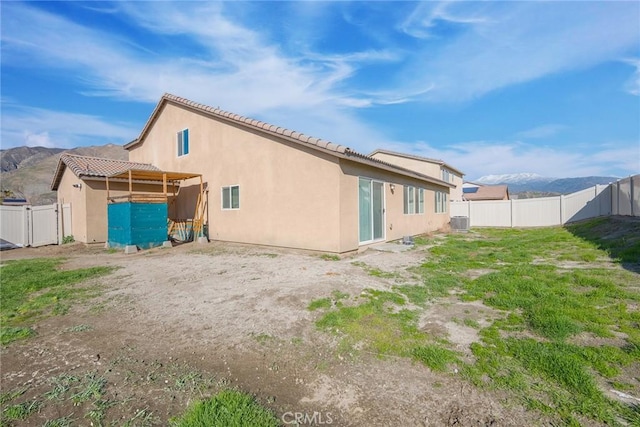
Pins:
x: 430, y: 167
x: 80, y: 180
x: 272, y: 186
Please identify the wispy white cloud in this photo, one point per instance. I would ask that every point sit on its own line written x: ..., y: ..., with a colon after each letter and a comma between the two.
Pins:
x: 542, y: 131
x: 424, y: 19
x: 482, y: 47
x: 38, y: 140
x: 229, y: 65
x: 491, y: 45
x: 479, y: 158
x: 633, y: 84
x: 39, y: 127
x: 234, y: 67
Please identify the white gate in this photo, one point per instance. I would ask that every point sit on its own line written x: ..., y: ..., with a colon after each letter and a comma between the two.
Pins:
x: 43, y: 225
x: 35, y: 225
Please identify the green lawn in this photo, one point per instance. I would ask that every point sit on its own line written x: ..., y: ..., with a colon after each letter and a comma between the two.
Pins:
x: 34, y: 288
x: 571, y: 328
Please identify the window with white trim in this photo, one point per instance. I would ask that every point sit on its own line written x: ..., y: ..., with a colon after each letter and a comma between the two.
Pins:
x: 441, y: 202
x: 231, y: 197
x: 413, y: 200
x: 183, y: 142
x: 409, y: 199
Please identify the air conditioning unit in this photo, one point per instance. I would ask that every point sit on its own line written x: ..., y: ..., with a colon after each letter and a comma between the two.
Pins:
x: 460, y: 223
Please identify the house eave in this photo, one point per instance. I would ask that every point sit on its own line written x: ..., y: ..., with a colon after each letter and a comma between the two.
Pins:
x: 282, y: 134
x: 420, y: 158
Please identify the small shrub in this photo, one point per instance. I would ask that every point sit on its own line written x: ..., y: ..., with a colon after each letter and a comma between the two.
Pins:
x: 68, y: 239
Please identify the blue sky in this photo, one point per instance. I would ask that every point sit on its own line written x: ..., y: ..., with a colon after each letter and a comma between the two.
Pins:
x: 490, y: 87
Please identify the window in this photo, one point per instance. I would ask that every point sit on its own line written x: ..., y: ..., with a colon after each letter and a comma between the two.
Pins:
x: 409, y: 199
x: 183, y: 142
x: 231, y: 197
x: 420, y: 200
x: 441, y: 202
x: 446, y: 175
x: 413, y: 200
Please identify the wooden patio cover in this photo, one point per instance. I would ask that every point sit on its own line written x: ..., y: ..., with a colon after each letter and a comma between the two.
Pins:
x: 152, y: 176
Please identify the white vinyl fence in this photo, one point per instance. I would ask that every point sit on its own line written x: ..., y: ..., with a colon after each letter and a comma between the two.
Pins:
x: 619, y: 198
x: 35, y: 225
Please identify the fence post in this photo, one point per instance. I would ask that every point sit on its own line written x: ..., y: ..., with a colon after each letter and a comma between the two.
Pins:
x: 610, y: 199
x: 60, y: 222
x: 562, y: 209
x: 511, y: 213
x: 632, y: 195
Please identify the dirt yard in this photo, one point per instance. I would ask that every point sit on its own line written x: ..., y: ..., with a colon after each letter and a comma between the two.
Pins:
x: 173, y: 325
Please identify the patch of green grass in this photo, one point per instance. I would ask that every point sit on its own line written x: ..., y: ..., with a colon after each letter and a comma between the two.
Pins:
x: 325, y: 303
x: 61, y: 385
x: 91, y: 387
x: 621, y: 385
x: 338, y: 295
x: 143, y: 418
x: 8, y: 396
x: 416, y: 294
x: 37, y: 287
x: 555, y: 305
x: 262, y: 338
x: 538, y: 350
x: 190, y: 380
x: 321, y: 303
x: 98, y: 411
x: 9, y: 334
x: 472, y: 323
x: 435, y: 356
x: 21, y: 411
x: 79, y: 328
x: 605, y: 234
x: 228, y: 408
x: 330, y: 257
x: 376, y: 272
x: 379, y: 324
x: 59, y: 422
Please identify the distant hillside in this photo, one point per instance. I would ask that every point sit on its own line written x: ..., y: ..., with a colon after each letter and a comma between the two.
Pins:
x: 15, y: 158
x: 35, y: 166
x: 530, y: 184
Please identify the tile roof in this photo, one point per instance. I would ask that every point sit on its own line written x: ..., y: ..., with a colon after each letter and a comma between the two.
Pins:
x: 413, y: 156
x: 217, y: 112
x: 488, y: 192
x: 283, y: 133
x: 83, y: 166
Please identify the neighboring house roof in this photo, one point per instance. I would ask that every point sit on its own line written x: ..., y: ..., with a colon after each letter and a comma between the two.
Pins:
x: 486, y: 192
x: 12, y: 201
x: 423, y: 159
x: 336, y: 150
x: 83, y: 167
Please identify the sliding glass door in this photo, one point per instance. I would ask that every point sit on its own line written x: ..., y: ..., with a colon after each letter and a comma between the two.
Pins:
x: 371, y: 210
